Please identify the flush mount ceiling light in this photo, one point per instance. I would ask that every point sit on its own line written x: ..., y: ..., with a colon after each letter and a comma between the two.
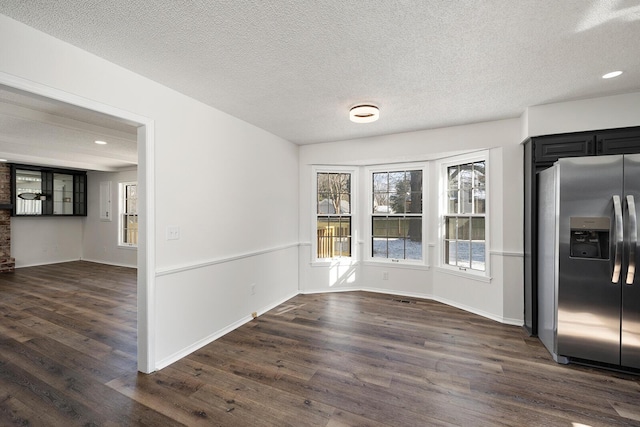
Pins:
x: 365, y: 113
x: 612, y: 74
x: 101, y: 142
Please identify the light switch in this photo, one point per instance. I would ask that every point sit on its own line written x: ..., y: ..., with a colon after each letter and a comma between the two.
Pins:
x: 173, y: 233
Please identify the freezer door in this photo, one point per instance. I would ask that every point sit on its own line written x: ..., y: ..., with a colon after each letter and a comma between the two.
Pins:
x: 630, y: 344
x: 590, y: 214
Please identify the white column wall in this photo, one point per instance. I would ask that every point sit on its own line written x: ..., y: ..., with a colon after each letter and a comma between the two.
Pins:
x: 230, y: 187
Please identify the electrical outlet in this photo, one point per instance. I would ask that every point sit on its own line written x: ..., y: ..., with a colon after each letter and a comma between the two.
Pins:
x: 173, y: 233
x: 385, y: 275
x: 253, y: 289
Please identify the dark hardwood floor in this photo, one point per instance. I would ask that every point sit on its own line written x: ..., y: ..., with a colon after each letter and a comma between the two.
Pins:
x: 68, y: 357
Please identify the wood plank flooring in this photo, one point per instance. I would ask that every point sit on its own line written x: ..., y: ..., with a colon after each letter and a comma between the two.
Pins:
x: 68, y: 357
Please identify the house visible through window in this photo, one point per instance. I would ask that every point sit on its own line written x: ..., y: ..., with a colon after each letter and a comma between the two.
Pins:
x: 396, y: 217
x: 129, y: 214
x: 333, y: 215
x: 464, y: 216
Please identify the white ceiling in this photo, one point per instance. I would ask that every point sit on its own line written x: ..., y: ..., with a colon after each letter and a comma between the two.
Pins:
x: 40, y: 131
x: 295, y: 67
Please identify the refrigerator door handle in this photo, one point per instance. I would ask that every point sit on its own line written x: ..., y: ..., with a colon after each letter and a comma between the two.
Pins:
x: 633, y: 239
x: 619, y: 238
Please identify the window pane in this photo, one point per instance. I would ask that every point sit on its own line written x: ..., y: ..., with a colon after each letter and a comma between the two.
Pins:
x: 452, y: 177
x: 397, y: 202
x: 450, y: 228
x: 453, y: 202
x: 130, y: 231
x: 343, y: 247
x: 345, y: 203
x: 381, y: 182
x: 334, y: 237
x: 345, y: 226
x: 414, y: 229
x: 394, y: 227
x: 414, y: 250
x: 381, y: 203
x: 477, y: 228
x: 466, y: 201
x: 478, y: 256
x: 450, y: 252
x: 479, y: 175
x: 379, y: 248
x: 396, y: 248
x: 463, y: 228
x: 324, y: 203
x: 479, y: 201
x: 131, y: 199
x: 396, y: 179
x: 380, y: 227
x: 466, y: 176
x: 414, y: 239
x: 463, y: 254
x: 345, y: 182
x: 414, y: 205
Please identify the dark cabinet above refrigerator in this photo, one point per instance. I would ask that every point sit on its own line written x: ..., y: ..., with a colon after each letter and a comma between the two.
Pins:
x: 549, y: 149
x: 539, y: 154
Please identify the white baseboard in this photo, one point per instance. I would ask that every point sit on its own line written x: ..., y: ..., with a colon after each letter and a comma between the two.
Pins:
x: 115, y: 264
x: 37, y: 264
x: 218, y: 334
x: 503, y: 320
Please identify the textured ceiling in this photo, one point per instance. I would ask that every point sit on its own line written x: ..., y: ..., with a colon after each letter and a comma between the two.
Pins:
x: 295, y: 67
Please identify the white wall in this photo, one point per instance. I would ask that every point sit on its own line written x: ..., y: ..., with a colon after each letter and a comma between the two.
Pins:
x: 100, y: 238
x: 241, y: 198
x: 46, y: 240
x: 607, y: 112
x: 502, y: 297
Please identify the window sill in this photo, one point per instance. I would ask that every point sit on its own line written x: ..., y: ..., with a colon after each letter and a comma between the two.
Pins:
x: 480, y: 277
x: 402, y: 265
x: 128, y: 247
x: 334, y: 262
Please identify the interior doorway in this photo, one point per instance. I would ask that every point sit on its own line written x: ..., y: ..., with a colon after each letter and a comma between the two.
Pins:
x: 73, y: 109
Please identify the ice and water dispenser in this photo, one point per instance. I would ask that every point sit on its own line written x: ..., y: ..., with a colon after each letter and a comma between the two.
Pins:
x: 589, y: 237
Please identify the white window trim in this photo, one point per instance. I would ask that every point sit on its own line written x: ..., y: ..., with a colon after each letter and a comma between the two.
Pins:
x: 369, y: 171
x: 316, y: 169
x: 121, y: 186
x: 442, y: 165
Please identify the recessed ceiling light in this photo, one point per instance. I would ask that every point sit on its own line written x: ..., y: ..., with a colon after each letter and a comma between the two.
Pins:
x: 3, y: 160
x: 101, y: 142
x: 612, y: 74
x: 366, y: 113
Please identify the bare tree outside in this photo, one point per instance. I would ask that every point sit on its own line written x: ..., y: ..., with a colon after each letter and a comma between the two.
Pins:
x: 334, y: 189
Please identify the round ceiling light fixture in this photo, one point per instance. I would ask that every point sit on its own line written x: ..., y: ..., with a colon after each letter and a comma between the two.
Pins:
x: 365, y: 113
x: 612, y: 74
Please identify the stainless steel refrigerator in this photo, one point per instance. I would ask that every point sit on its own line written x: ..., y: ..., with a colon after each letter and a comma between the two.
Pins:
x: 588, y: 290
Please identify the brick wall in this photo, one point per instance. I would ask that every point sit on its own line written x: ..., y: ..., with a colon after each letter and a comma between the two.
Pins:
x: 7, y: 263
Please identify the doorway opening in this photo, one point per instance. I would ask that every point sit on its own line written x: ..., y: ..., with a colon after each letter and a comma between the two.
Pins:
x: 53, y: 107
